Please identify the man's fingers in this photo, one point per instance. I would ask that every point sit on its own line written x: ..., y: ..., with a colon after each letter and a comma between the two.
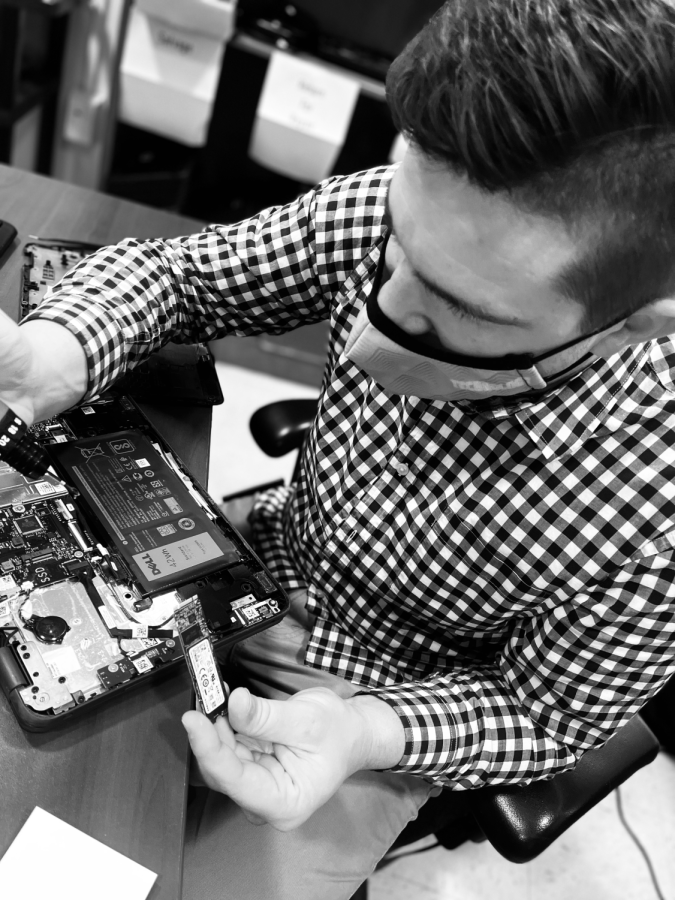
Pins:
x: 224, y: 731
x: 254, y: 744
x: 252, y: 780
x: 256, y: 717
x: 253, y: 818
x: 214, y: 747
x: 205, y: 737
x: 244, y: 753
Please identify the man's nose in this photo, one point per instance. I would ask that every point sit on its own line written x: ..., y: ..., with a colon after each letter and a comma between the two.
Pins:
x: 399, y: 301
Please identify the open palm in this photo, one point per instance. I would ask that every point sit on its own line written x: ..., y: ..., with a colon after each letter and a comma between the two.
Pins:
x: 279, y: 760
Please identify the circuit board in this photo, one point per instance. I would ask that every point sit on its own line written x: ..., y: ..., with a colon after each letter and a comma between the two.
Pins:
x: 97, y: 556
x: 45, y: 266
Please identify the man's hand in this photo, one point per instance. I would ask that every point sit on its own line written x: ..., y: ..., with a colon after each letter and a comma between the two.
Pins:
x: 43, y: 369
x: 280, y: 760
x: 16, y: 354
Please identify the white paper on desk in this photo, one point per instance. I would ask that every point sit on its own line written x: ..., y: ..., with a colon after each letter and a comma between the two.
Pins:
x: 51, y: 859
x: 302, y: 118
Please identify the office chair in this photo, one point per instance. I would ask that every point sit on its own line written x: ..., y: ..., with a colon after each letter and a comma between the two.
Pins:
x: 519, y: 822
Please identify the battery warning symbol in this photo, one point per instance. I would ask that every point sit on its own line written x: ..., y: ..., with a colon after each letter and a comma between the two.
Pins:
x: 90, y: 452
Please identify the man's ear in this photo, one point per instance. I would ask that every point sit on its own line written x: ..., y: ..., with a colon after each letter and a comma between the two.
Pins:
x: 655, y: 320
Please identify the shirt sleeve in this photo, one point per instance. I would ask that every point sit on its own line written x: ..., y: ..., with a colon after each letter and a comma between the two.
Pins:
x: 263, y: 274
x: 564, y: 682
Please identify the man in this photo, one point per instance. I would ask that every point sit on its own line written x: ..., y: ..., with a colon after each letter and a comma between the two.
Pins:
x: 480, y: 543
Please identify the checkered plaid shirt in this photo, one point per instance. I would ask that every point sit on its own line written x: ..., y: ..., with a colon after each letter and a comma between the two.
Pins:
x: 500, y: 573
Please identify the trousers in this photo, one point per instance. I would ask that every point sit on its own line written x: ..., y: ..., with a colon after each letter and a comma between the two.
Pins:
x: 339, y: 846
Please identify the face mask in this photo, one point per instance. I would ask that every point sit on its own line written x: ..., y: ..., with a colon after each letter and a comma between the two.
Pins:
x: 403, y: 365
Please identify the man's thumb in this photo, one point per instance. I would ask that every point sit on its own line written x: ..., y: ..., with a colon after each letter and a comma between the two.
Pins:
x: 255, y: 716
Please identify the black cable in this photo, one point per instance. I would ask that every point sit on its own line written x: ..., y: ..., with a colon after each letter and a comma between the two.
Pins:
x: 638, y: 844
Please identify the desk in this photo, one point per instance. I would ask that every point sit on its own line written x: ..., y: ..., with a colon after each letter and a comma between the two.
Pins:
x: 119, y: 775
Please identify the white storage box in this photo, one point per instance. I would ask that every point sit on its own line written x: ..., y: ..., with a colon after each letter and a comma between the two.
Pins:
x: 213, y: 18
x: 168, y: 78
x: 303, y: 114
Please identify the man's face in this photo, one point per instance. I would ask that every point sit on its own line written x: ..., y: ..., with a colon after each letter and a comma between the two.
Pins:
x: 471, y: 272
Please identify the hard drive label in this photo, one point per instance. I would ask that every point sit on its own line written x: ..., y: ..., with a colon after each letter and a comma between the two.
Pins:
x: 207, y: 682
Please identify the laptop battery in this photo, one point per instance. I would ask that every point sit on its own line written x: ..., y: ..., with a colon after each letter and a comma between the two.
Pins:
x: 156, y: 524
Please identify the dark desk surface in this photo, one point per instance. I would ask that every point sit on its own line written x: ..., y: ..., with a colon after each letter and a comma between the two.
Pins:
x: 120, y: 775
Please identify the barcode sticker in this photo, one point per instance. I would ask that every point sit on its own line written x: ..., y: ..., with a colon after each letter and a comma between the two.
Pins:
x: 142, y: 664
x: 139, y: 631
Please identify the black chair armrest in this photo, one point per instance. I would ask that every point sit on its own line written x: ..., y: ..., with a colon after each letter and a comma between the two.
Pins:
x: 281, y: 427
x: 521, y: 822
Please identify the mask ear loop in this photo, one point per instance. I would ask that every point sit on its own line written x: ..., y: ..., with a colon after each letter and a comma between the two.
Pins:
x: 533, y: 378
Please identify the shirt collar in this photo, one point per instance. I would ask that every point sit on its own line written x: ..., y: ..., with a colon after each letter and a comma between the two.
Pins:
x: 561, y: 418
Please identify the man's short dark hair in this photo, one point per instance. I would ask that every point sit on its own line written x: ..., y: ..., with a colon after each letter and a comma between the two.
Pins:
x: 567, y: 106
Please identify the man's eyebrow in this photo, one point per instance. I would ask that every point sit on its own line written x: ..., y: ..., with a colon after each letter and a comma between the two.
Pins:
x: 468, y: 309
x: 455, y: 303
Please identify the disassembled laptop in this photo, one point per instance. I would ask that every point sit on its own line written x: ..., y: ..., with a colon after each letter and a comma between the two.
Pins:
x: 112, y: 565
